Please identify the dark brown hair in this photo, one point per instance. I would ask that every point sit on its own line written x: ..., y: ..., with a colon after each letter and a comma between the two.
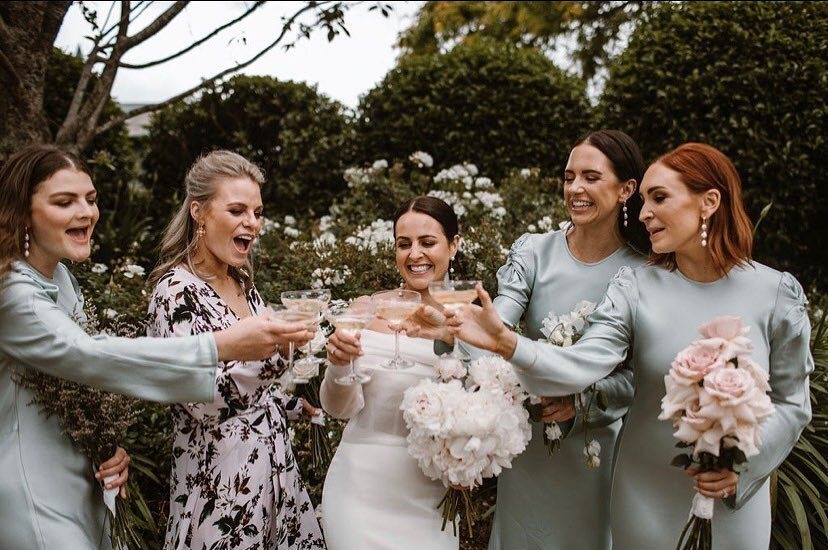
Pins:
x: 627, y: 164
x: 730, y: 233
x: 19, y: 177
x: 434, y: 207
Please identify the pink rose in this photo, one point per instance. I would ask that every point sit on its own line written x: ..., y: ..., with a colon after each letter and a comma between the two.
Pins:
x: 695, y: 361
x: 760, y: 375
x: 677, y: 398
x: 723, y: 327
x: 693, y: 427
x: 731, y: 386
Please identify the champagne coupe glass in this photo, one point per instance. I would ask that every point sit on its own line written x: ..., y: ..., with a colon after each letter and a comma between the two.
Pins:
x: 351, y: 318
x: 452, y: 295
x: 314, y: 302
x: 395, y: 306
x: 286, y: 315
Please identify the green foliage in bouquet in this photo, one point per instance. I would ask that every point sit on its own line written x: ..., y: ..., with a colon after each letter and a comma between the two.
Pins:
x: 492, y: 103
x: 749, y: 79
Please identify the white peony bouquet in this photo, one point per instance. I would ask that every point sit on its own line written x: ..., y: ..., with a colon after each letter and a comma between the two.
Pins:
x: 564, y: 330
x: 460, y: 433
x: 716, y: 396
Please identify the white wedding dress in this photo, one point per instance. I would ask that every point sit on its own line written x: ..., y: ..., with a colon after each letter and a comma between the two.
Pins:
x: 375, y: 495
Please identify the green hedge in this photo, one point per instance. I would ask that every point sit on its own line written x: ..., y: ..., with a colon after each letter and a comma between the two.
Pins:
x: 301, y: 140
x: 750, y: 79
x: 503, y: 107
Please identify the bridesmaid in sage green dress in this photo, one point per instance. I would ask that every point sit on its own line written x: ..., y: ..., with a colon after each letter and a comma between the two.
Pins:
x: 557, y: 502
x: 701, y: 268
x: 48, y: 496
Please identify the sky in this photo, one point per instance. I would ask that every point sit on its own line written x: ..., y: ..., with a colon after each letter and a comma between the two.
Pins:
x: 343, y: 69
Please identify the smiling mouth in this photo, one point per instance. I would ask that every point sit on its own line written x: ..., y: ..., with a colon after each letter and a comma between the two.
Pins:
x: 654, y: 232
x: 79, y: 234
x: 242, y: 243
x: 580, y: 205
x: 419, y: 269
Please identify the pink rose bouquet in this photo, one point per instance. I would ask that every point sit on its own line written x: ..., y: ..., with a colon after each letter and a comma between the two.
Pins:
x: 716, y: 396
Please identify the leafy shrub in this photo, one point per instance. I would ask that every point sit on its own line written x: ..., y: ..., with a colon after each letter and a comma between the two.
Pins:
x: 496, y: 104
x: 749, y: 79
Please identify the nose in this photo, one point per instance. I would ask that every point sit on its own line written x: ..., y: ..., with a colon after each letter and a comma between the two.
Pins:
x: 646, y: 213
x: 415, y: 252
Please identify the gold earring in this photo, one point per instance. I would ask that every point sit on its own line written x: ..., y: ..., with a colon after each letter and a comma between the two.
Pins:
x: 200, y: 232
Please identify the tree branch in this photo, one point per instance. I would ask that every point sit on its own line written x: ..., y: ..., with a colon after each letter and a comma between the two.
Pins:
x: 14, y: 78
x: 150, y: 30
x: 157, y: 106
x: 195, y: 44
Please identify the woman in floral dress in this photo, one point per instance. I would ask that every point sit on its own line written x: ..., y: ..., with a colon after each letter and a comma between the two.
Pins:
x: 235, y: 482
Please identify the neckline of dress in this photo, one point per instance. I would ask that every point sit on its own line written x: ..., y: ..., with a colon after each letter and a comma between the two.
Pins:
x: 199, y: 280
x: 562, y: 233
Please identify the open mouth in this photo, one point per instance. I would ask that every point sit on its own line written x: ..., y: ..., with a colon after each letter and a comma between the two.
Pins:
x: 419, y: 268
x: 580, y: 205
x: 242, y: 243
x: 655, y: 231
x: 79, y: 234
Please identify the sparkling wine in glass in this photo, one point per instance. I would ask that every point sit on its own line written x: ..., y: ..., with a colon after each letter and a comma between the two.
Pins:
x: 395, y: 306
x: 452, y: 295
x: 313, y: 301
x: 351, y: 318
x: 282, y: 313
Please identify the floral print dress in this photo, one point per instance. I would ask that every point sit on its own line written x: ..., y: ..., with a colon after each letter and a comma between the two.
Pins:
x: 235, y: 483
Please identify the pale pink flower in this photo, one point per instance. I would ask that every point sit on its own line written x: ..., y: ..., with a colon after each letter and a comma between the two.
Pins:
x: 677, y: 398
x: 695, y: 361
x: 726, y: 327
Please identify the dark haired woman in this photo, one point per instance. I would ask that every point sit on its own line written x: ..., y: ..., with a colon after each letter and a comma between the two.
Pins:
x: 557, y: 501
x: 48, y: 209
x: 701, y: 268
x: 375, y: 495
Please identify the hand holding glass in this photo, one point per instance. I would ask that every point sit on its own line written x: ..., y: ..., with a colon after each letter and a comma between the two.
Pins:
x: 453, y: 295
x: 286, y: 315
x: 395, y: 306
x: 313, y: 301
x: 351, y: 318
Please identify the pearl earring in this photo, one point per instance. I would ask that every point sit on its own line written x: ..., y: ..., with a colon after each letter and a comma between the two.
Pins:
x: 200, y: 232
x: 624, y: 209
x: 26, y: 242
x: 451, y: 267
x: 703, y: 232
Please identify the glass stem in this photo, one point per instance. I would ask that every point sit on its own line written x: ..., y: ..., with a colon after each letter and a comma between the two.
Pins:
x: 352, y: 372
x: 290, y: 357
x: 396, y: 346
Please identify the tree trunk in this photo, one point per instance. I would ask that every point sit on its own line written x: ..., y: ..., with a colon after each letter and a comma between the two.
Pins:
x: 27, y: 33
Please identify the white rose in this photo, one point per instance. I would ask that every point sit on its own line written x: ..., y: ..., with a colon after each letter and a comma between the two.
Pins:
x: 553, y: 431
x: 132, y: 270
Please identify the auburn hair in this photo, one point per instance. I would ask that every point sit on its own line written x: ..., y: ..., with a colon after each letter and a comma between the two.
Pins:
x: 730, y: 232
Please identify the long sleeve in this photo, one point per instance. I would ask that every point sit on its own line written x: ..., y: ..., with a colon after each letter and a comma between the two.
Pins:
x: 338, y: 400
x: 36, y: 333
x: 546, y: 369
x: 790, y: 364
x: 616, y: 390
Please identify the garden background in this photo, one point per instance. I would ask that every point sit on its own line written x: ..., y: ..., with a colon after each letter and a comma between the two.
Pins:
x: 475, y: 90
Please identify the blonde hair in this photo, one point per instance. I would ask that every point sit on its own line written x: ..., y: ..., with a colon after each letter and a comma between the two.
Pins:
x: 201, y: 183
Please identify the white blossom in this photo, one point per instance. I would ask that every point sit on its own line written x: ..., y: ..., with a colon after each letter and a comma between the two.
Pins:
x: 370, y: 237
x: 110, y: 313
x: 131, y: 270
x: 380, y: 164
x: 326, y: 223
x: 326, y: 277
x: 99, y: 268
x: 268, y: 225
x: 421, y: 159
x: 290, y: 220
x: 451, y: 199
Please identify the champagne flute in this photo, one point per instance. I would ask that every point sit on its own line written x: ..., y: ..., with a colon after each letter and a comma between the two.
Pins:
x: 350, y: 318
x: 286, y: 315
x: 452, y: 295
x: 313, y: 301
x: 395, y: 306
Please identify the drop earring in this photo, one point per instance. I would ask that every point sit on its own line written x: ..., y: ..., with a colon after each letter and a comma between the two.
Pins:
x: 200, y: 232
x: 704, y: 232
x: 451, y: 267
x: 26, y: 242
x: 624, y: 209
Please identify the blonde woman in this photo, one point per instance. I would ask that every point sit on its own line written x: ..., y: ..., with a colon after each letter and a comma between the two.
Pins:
x: 235, y: 482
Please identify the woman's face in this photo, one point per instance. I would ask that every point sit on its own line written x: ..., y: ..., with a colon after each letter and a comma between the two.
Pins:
x: 423, y: 251
x: 671, y: 212
x: 592, y: 192
x: 231, y: 221
x: 63, y: 214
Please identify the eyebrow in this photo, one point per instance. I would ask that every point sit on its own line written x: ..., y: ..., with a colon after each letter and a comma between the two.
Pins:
x: 652, y: 190
x: 588, y: 170
x: 420, y: 237
x: 71, y: 194
x: 244, y: 205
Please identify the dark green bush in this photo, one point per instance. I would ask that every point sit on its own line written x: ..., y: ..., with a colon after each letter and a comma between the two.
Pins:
x: 297, y: 136
x: 749, y: 79
x: 498, y: 105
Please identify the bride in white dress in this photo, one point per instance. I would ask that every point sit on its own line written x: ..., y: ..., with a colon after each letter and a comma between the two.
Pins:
x: 375, y: 495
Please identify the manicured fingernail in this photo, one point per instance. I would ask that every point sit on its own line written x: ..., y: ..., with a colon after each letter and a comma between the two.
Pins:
x: 97, y: 476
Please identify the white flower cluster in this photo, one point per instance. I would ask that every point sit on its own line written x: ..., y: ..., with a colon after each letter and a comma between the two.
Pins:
x: 380, y: 164
x: 357, y: 176
x: 268, y: 225
x: 324, y: 277
x: 421, y: 159
x: 368, y: 238
x: 564, y: 330
x: 131, y: 270
x: 592, y: 452
x: 451, y: 199
x: 460, y: 436
x: 459, y: 172
x: 99, y: 268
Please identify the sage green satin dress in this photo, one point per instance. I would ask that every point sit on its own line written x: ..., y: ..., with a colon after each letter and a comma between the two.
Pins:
x: 658, y: 312
x: 557, y: 502
x: 49, y: 498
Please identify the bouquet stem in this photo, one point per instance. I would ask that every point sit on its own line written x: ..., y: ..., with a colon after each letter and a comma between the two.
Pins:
x: 450, y: 506
x: 698, y: 531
